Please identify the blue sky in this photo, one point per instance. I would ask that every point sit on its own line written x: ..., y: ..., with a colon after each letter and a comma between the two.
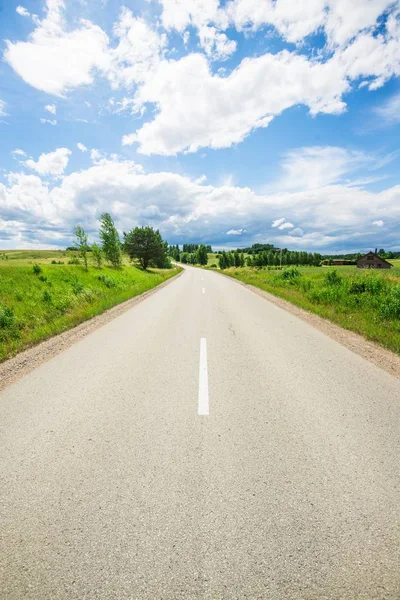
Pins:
x: 229, y: 122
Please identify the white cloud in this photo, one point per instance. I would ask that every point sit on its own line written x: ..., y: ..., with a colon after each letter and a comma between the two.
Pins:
x: 18, y: 152
x: 286, y: 225
x: 376, y: 58
x: 2, y: 109
x: 137, y: 53
x: 52, y: 163
x: 81, y: 147
x: 51, y: 108
x: 278, y: 222
x: 235, y: 232
x: 318, y: 166
x: 216, y: 44
x: 389, y: 112
x: 185, y: 210
x: 55, y: 60
x: 199, y: 109
x: 49, y: 121
x: 293, y: 20
x: 379, y: 223
x: 22, y: 11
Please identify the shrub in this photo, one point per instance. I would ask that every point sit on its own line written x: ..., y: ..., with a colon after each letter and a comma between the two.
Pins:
x: 357, y: 287
x: 333, y: 278
x: 74, y: 260
x: 290, y: 274
x: 47, y: 297
x: 53, y: 262
x: 42, y: 278
x: 37, y: 269
x: 7, y: 318
x: 108, y: 281
x: 390, y: 308
x: 77, y: 287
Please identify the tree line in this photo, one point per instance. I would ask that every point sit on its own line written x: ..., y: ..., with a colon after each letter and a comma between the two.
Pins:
x: 144, y: 244
x: 191, y: 254
x: 268, y: 258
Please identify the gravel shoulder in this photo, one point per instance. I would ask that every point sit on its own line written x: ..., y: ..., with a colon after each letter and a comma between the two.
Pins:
x: 26, y: 361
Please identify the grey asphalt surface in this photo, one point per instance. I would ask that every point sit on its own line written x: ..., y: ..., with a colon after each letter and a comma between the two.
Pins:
x: 113, y: 487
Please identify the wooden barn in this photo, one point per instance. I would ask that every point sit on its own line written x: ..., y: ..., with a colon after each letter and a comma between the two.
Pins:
x: 373, y: 261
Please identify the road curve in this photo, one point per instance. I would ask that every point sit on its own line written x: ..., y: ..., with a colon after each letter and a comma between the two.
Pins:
x: 113, y: 486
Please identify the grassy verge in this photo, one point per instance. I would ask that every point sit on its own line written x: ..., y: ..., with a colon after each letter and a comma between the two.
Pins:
x: 367, y: 302
x: 38, y: 301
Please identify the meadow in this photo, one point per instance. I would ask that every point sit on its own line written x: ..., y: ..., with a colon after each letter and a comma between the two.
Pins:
x: 364, y: 301
x: 42, y: 294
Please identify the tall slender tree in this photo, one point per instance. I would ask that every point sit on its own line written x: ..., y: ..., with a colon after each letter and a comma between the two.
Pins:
x: 81, y: 244
x: 111, y: 244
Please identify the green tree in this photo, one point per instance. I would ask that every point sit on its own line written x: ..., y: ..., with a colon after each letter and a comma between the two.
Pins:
x: 145, y: 244
x: 111, y: 244
x: 81, y: 244
x: 202, y: 256
x: 97, y: 255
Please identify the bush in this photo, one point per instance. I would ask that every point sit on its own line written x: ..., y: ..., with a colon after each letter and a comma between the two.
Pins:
x: 37, y: 269
x: 7, y: 318
x: 47, y: 297
x: 108, y: 281
x: 53, y: 262
x: 74, y: 261
x: 77, y: 287
x: 290, y: 274
x: 333, y: 278
x: 42, y: 278
x: 357, y: 287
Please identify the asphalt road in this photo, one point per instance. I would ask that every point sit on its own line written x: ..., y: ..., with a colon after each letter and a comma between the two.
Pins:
x: 113, y: 486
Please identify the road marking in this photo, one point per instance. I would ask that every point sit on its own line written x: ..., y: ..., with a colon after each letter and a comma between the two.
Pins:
x: 203, y: 408
x: 204, y: 291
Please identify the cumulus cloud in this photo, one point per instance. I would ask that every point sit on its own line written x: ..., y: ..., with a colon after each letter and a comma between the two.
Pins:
x: 185, y: 210
x: 52, y: 163
x: 197, y: 108
x: 54, y: 59
x: 138, y: 52
x: 81, y: 147
x: 379, y: 223
x: 215, y: 43
x: 278, y: 222
x: 18, y: 152
x: 194, y: 107
x: 48, y: 121
x: 235, y: 232
x: 51, y: 108
x: 21, y: 10
x: 294, y: 21
x: 286, y: 225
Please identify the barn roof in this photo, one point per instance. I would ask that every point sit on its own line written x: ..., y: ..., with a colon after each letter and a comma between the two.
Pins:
x: 377, y: 256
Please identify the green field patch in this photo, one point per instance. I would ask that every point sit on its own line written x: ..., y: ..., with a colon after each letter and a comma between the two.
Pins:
x: 39, y: 299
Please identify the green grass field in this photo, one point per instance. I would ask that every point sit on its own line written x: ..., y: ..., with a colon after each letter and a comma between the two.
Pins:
x: 367, y: 302
x: 37, y: 305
